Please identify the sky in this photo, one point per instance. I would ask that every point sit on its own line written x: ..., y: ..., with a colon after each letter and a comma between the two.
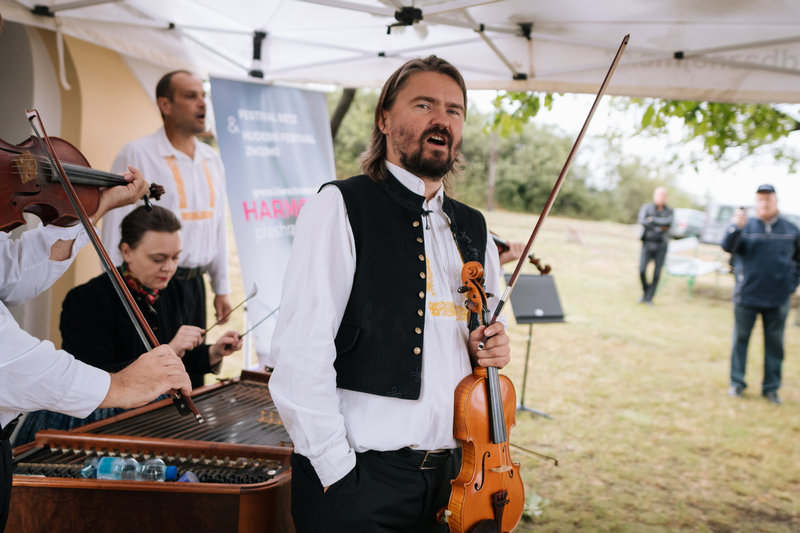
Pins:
x: 735, y: 185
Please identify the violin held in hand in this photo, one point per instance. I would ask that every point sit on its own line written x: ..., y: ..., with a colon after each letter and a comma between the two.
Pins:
x: 488, y: 494
x: 29, y: 184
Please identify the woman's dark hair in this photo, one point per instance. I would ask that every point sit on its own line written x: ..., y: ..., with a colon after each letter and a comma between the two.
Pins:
x: 141, y: 219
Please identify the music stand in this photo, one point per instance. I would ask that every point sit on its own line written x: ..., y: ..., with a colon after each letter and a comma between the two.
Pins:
x: 535, y: 301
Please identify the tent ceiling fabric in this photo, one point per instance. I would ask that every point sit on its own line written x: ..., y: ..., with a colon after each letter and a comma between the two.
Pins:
x: 723, y: 50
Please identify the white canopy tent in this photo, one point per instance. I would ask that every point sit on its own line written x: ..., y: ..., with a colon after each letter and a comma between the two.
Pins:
x: 719, y: 50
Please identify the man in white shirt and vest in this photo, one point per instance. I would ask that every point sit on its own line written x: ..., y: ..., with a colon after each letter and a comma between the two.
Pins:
x: 194, y: 179
x: 372, y: 338
x: 33, y: 374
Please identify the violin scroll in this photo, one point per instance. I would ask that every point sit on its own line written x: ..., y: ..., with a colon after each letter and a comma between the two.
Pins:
x: 155, y: 192
x: 543, y: 269
x: 472, y: 280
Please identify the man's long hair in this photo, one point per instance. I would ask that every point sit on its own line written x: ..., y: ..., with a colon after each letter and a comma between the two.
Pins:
x: 372, y: 160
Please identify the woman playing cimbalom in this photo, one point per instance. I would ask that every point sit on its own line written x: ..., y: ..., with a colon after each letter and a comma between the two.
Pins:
x: 95, y: 325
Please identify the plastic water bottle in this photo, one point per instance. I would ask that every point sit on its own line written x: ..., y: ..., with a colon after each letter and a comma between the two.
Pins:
x: 117, y: 468
x: 89, y: 469
x: 153, y: 469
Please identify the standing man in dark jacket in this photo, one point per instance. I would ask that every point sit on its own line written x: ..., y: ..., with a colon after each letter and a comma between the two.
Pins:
x: 766, y: 259
x: 655, y: 218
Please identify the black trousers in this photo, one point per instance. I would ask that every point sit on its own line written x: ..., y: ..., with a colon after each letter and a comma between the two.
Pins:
x: 656, y: 252
x: 383, y: 493
x: 5, y: 482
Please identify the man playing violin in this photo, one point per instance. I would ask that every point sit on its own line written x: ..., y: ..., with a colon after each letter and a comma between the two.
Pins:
x: 372, y: 338
x: 194, y: 179
x: 33, y: 374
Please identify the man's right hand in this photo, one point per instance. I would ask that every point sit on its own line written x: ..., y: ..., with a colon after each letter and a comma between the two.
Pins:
x: 151, y: 375
x: 740, y: 217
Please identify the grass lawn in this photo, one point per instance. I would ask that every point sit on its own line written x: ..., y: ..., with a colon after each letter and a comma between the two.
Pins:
x: 646, y: 436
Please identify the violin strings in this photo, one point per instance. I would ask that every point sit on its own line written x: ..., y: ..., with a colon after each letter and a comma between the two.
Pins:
x: 78, y: 174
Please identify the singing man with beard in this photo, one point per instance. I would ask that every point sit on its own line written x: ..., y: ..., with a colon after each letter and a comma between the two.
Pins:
x: 372, y: 338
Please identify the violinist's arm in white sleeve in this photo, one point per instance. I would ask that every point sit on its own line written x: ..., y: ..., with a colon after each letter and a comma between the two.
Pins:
x: 33, y: 374
x: 26, y: 267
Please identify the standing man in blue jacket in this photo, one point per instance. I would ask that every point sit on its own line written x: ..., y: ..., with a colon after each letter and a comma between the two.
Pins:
x: 766, y: 259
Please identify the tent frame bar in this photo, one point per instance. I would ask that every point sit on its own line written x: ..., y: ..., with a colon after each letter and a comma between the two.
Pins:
x: 515, y: 74
x: 50, y: 11
x: 740, y: 46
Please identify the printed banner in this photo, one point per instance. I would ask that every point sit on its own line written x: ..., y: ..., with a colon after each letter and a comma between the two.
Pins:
x: 277, y: 150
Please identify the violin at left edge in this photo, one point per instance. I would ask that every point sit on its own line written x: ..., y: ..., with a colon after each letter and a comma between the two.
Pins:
x: 28, y: 183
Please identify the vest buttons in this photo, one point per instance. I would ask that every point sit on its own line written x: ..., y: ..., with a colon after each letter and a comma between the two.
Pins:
x: 421, y: 257
x: 420, y: 312
x: 417, y: 350
x: 421, y: 295
x: 418, y: 331
x: 415, y: 223
x: 422, y: 275
x: 419, y: 239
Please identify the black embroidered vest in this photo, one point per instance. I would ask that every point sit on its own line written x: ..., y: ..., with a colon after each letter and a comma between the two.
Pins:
x: 379, y: 345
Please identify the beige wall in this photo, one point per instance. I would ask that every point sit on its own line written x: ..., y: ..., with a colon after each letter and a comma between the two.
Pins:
x: 105, y: 108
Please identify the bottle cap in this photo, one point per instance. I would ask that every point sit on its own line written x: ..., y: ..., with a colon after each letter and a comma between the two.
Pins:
x: 171, y: 473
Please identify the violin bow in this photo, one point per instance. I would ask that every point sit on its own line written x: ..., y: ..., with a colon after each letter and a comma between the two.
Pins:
x: 557, y: 187
x: 183, y: 403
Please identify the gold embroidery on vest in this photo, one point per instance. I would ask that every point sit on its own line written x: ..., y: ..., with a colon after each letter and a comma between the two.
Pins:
x: 429, y: 283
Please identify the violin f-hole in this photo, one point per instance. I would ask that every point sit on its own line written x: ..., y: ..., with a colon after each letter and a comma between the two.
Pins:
x: 22, y: 193
x: 479, y: 485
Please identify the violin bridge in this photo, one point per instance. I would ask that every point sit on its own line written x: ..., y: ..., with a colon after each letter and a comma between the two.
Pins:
x: 27, y: 167
x: 500, y: 469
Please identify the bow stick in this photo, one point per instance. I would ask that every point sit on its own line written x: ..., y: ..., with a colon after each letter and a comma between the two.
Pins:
x: 556, y: 188
x: 183, y: 403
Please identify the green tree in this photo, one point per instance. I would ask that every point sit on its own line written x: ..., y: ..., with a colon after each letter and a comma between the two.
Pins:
x: 728, y: 131
x: 528, y: 162
x: 354, y: 131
